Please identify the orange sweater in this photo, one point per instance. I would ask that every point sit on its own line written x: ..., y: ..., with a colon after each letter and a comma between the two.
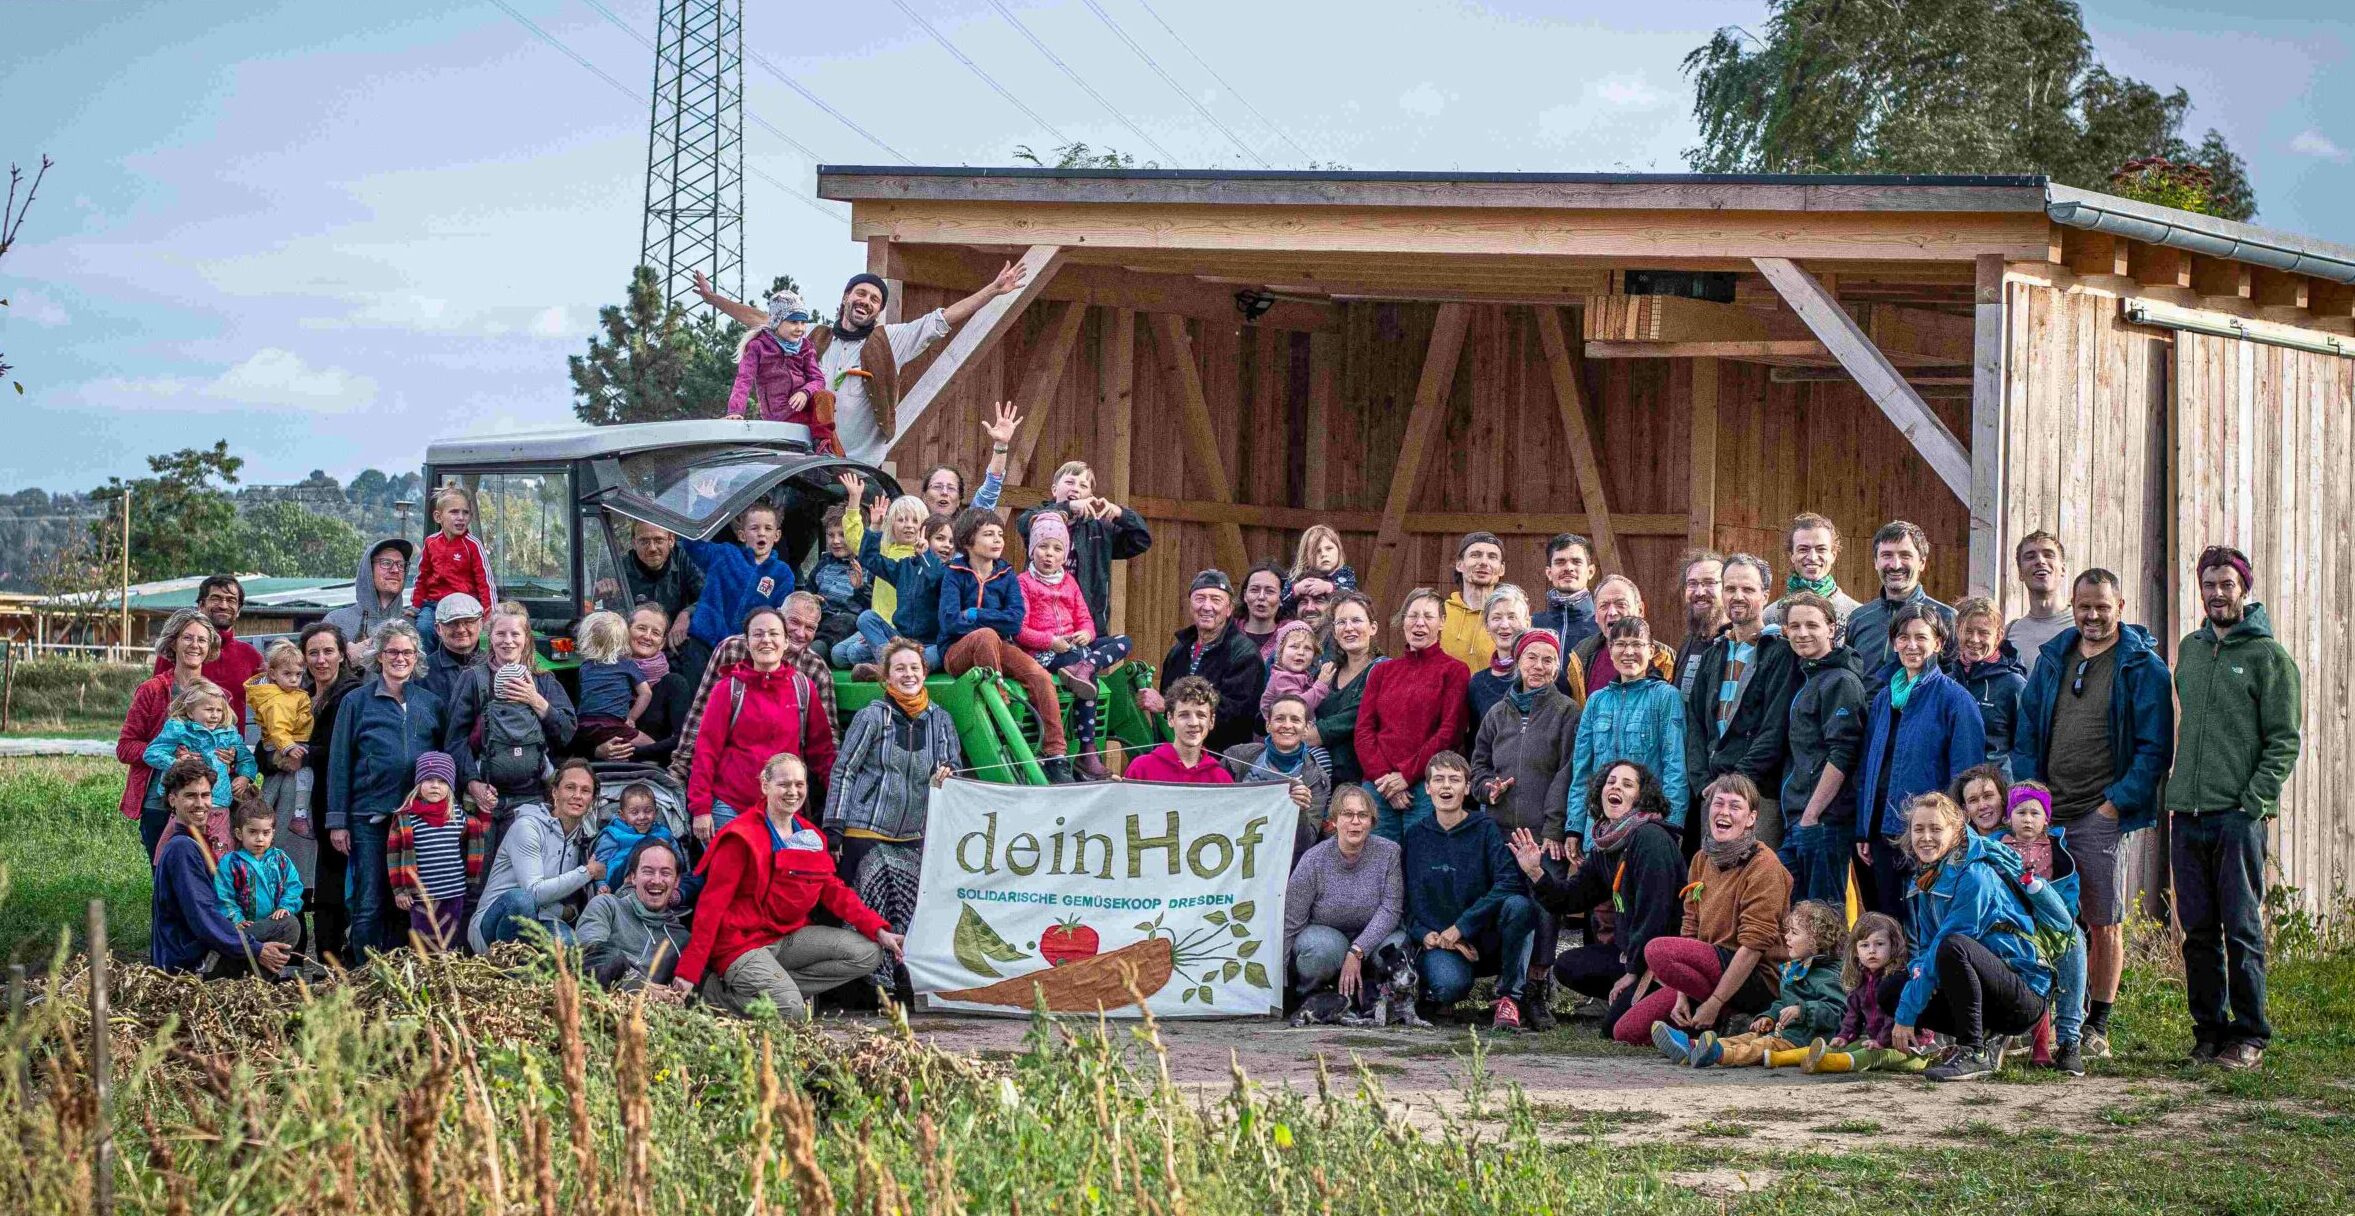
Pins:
x: 1742, y: 907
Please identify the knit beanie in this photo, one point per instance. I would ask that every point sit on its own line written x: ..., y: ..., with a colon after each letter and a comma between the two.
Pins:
x: 1046, y: 526
x: 1534, y: 637
x: 437, y: 766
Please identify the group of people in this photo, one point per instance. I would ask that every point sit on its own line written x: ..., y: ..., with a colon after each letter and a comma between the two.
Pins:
x: 1537, y: 789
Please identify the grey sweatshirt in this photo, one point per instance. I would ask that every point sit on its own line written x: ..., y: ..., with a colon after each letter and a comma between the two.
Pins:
x: 1366, y: 898
x: 536, y: 856
x: 616, y: 929
x: 1535, y: 750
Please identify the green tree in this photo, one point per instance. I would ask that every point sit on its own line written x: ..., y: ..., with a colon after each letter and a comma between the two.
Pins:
x: 182, y: 522
x: 653, y: 362
x: 288, y: 539
x: 1080, y: 156
x: 1937, y: 86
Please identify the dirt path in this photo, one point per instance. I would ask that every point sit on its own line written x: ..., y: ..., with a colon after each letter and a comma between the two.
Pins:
x: 1582, y: 1088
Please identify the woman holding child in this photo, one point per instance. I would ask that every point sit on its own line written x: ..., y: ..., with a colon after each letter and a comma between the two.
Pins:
x: 658, y: 728
x: 1975, y: 973
x: 187, y: 643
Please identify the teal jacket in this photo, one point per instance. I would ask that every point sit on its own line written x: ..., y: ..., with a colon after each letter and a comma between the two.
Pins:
x: 1971, y: 896
x: 1640, y: 720
x: 1812, y: 985
x: 2237, y: 735
x: 250, y: 888
x: 208, y: 743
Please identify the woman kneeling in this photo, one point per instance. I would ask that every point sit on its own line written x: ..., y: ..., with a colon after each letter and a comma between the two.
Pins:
x: 1975, y: 972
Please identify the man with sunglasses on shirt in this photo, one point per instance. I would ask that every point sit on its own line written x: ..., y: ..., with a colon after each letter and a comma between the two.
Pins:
x: 2097, y: 724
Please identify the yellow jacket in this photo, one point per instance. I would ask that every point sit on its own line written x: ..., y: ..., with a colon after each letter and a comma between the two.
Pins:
x: 883, y: 597
x: 283, y: 715
x: 1464, y: 633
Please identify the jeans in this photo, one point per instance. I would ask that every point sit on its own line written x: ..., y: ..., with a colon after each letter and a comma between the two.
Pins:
x: 1390, y: 823
x: 427, y: 640
x: 2219, y: 863
x: 1892, y: 872
x: 1317, y: 955
x: 874, y: 632
x: 1978, y: 995
x: 2068, y: 990
x: 721, y: 816
x: 367, y: 887
x: 1817, y: 858
x: 508, y: 918
x: 154, y: 817
x: 1504, y: 953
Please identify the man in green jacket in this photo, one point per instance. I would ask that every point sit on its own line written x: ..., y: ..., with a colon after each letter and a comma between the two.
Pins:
x: 2237, y: 741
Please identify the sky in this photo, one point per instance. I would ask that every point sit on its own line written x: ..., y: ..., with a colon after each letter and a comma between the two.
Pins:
x: 331, y: 234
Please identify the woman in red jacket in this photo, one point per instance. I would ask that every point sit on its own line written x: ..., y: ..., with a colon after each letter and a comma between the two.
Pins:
x: 1413, y: 709
x: 188, y: 642
x: 762, y: 875
x: 761, y: 708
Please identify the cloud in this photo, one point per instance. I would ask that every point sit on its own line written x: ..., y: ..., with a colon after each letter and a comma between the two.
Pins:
x: 33, y: 308
x: 1424, y: 99
x: 2311, y: 142
x: 553, y: 322
x: 274, y: 377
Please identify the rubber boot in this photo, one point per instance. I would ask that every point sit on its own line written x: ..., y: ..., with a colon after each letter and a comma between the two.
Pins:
x: 1821, y: 1058
x: 1791, y: 1057
x: 1537, y: 1007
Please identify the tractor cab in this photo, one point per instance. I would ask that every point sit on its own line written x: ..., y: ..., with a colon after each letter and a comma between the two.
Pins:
x: 555, y: 508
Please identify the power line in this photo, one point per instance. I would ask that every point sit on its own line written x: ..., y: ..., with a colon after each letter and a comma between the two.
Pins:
x: 1222, y: 81
x: 772, y: 128
x: 951, y: 48
x: 1174, y: 86
x: 1169, y: 158
x: 640, y: 99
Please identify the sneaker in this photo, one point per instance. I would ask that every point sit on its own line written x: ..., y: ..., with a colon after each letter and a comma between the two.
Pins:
x: 1537, y: 1005
x: 1673, y: 1043
x: 1707, y: 1051
x: 1967, y: 1064
x: 2240, y: 1057
x: 2095, y: 1044
x: 866, y: 673
x: 1057, y: 769
x: 2204, y: 1052
x: 2068, y: 1058
x: 1507, y: 1015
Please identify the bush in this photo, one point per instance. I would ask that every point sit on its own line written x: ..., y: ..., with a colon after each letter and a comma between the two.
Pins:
x: 58, y: 694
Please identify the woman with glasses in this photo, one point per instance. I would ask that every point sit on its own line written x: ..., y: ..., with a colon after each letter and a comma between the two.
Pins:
x: 1921, y: 731
x: 381, y: 728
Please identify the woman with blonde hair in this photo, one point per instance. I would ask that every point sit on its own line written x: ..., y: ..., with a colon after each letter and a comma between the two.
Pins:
x: 1976, y: 973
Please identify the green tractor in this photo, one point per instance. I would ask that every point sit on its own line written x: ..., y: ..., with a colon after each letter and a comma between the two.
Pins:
x: 555, y: 508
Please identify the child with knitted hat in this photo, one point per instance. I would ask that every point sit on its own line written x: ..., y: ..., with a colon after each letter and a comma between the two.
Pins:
x: 1059, y: 631
x: 781, y: 362
x: 435, y: 854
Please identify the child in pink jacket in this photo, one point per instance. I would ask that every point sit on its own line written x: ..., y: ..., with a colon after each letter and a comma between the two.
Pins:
x: 1060, y: 632
x: 781, y: 363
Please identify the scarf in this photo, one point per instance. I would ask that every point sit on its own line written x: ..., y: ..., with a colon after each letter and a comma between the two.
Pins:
x: 912, y: 706
x: 792, y: 347
x: 1286, y: 763
x: 1731, y: 854
x: 656, y: 668
x: 1500, y: 664
x: 1826, y: 586
x: 434, y: 814
x: 1523, y: 699
x: 1612, y: 835
x: 1901, y: 687
x: 847, y: 332
x: 1052, y: 580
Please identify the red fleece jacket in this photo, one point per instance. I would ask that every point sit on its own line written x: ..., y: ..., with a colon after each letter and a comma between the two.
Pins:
x: 733, y: 742
x: 755, y: 893
x: 1413, y: 709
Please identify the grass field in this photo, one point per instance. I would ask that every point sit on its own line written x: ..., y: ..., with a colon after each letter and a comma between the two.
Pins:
x: 465, y: 1087
x: 66, y: 698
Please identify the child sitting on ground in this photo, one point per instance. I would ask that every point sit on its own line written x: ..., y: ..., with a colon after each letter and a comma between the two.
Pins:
x: 1319, y: 555
x: 614, y: 689
x: 1294, y: 673
x: 283, y: 711
x: 1810, y: 1003
x: 1059, y: 631
x: 835, y: 574
x: 902, y: 537
x: 640, y: 819
x: 782, y: 363
x: 2056, y: 1041
x: 452, y: 560
x: 1982, y: 792
x: 256, y: 882
x: 1874, y: 971
x: 435, y: 854
x: 201, y: 726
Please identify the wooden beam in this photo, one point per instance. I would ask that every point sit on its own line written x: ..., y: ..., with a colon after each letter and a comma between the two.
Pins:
x: 1916, y: 376
x: 962, y: 270
x: 2218, y: 278
x: 1986, y: 501
x: 1324, y: 357
x: 1772, y: 348
x: 1115, y: 403
x: 1416, y: 523
x: 1570, y: 397
x: 1177, y: 363
x: 971, y: 343
x: 1701, y: 502
x: 1612, y: 318
x: 1036, y: 397
x: 884, y: 266
x: 1874, y: 374
x: 1422, y: 422
x: 2333, y: 305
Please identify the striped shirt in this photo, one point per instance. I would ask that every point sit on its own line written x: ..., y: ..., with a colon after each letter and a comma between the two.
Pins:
x: 441, y: 858
x: 1738, y: 657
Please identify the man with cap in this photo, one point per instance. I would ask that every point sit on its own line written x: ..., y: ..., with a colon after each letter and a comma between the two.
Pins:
x: 860, y: 356
x: 457, y: 622
x: 1215, y: 650
x: 376, y: 594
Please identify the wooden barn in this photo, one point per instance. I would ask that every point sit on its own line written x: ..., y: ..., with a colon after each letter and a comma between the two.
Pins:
x: 1659, y: 362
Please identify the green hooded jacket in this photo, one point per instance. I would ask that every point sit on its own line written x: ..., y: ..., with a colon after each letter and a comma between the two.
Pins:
x: 1813, y: 985
x: 2237, y: 735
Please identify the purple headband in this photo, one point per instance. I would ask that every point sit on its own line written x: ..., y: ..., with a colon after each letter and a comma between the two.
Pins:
x: 2022, y: 794
x: 2219, y: 555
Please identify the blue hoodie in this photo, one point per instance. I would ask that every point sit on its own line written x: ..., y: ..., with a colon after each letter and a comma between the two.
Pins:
x: 1970, y: 896
x: 1640, y: 720
x: 184, y: 914
x: 916, y: 579
x: 1938, y: 736
x: 373, y: 760
x: 1458, y: 876
x: 994, y: 602
x: 2142, y: 722
x: 1995, y: 684
x: 733, y: 584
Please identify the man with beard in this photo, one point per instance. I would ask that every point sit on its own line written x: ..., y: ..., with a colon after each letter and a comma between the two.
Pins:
x: 376, y: 595
x: 657, y: 573
x: 1738, y: 716
x: 861, y: 357
x: 2044, y: 571
x: 2237, y: 742
x: 1214, y: 648
x: 1900, y: 550
x: 1307, y: 600
x: 1569, y: 612
x: 221, y: 599
x: 2097, y: 726
x: 1480, y: 567
x: 630, y: 937
x: 1702, y: 573
x: 1812, y: 546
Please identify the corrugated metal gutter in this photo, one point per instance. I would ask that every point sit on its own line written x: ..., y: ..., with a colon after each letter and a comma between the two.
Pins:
x: 2201, y: 234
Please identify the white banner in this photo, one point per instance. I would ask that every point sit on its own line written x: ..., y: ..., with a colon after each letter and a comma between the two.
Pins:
x: 1078, y: 891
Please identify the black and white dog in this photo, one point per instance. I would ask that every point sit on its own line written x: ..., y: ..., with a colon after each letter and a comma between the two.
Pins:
x: 1395, y: 982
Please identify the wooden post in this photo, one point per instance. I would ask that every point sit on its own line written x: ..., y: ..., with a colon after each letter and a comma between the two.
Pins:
x: 1431, y: 392
x: 8, y: 688
x: 101, y: 1068
x: 1570, y: 395
x: 880, y: 263
x: 1701, y: 503
x: 1116, y: 398
x: 1036, y: 396
x: 1177, y: 362
x: 124, y: 636
x: 1987, y: 406
x: 977, y: 337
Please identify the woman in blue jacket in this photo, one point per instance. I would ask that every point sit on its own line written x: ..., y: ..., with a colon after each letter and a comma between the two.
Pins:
x: 1922, y: 731
x: 381, y: 728
x: 1637, y: 716
x: 1975, y: 970
x: 981, y: 608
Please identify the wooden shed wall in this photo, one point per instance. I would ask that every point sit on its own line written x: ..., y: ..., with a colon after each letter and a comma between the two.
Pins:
x: 1501, y: 451
x: 2265, y: 462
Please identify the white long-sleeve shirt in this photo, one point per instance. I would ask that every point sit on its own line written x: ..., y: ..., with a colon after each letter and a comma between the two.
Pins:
x: 854, y: 417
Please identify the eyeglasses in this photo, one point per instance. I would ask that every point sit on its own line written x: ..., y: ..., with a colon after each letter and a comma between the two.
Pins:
x: 389, y: 653
x: 391, y: 563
